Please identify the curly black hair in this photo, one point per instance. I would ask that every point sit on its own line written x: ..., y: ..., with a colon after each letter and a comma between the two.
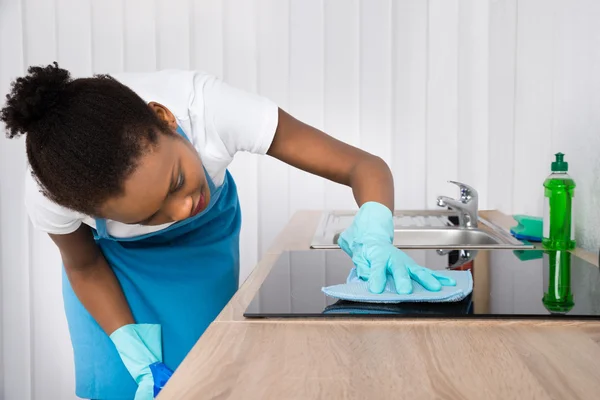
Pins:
x: 84, y: 136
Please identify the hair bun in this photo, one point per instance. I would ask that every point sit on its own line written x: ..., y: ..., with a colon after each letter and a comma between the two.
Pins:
x: 32, y: 97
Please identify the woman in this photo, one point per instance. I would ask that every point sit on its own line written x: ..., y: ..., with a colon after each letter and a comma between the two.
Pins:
x: 128, y: 176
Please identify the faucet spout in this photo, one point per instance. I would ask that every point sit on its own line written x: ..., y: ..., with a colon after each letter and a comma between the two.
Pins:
x: 466, y: 206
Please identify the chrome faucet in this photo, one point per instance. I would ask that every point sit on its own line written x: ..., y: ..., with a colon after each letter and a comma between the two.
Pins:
x: 466, y: 206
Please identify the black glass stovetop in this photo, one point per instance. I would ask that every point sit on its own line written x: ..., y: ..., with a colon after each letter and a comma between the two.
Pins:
x: 507, y: 284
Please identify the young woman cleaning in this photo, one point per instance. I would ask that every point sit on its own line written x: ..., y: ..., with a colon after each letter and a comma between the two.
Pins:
x: 128, y: 175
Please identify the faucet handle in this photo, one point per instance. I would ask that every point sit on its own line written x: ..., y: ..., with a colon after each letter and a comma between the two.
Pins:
x: 467, y: 193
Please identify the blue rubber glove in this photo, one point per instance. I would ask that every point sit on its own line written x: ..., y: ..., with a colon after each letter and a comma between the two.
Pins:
x: 140, y: 348
x: 369, y: 242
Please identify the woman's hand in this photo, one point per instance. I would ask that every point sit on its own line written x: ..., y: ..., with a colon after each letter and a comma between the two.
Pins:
x: 140, y: 348
x: 369, y: 242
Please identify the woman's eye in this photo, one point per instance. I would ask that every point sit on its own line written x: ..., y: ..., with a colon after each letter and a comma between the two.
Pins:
x: 180, y: 182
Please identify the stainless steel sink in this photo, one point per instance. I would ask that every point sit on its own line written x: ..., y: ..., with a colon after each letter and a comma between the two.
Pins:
x: 440, y: 238
x: 422, y: 230
x: 456, y: 226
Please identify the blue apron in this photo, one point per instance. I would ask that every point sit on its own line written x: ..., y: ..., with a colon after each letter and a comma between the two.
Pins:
x: 180, y: 277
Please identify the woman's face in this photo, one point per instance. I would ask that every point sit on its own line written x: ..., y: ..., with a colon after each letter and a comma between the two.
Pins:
x: 168, y: 184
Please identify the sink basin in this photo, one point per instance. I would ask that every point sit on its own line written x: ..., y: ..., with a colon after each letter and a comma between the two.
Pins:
x: 440, y: 238
x: 422, y: 230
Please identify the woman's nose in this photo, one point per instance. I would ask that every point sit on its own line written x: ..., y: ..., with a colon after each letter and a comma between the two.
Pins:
x: 181, y: 209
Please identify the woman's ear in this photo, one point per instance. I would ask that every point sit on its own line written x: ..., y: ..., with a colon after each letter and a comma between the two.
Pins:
x: 164, y: 114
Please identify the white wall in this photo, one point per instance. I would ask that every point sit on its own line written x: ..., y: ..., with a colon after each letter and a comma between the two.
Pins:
x: 480, y: 91
x: 544, y: 58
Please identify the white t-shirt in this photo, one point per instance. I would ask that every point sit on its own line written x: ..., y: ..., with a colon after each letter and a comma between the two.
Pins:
x: 218, y: 119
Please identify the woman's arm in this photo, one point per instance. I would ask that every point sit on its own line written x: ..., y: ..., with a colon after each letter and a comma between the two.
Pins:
x: 92, y: 280
x: 313, y: 151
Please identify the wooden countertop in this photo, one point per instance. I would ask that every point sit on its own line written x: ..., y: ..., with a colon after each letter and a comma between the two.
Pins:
x: 238, y: 358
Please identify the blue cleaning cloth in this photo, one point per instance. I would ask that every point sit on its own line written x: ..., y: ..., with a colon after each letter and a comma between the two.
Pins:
x: 356, y: 289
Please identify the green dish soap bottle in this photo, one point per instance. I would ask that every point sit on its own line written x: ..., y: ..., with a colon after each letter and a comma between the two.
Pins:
x: 559, y: 230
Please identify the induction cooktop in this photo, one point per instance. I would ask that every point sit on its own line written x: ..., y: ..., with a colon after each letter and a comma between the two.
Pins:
x: 507, y: 284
